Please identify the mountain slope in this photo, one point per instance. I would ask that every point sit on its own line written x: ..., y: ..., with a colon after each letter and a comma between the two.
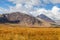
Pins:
x: 24, y: 19
x: 46, y: 18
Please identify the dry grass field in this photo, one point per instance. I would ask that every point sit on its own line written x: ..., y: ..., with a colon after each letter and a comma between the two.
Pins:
x: 8, y: 32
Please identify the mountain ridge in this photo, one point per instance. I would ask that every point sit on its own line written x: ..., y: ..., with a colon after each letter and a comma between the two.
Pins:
x: 46, y: 18
x: 25, y: 19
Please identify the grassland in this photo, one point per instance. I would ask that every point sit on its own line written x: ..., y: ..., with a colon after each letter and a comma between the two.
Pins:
x: 9, y: 32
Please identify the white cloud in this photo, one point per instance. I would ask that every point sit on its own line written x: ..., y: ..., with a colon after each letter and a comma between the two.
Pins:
x: 53, y: 14
x: 31, y: 2
x: 51, y: 1
x: 55, y: 1
x: 38, y: 11
x: 55, y: 10
x: 23, y: 5
x: 27, y: 5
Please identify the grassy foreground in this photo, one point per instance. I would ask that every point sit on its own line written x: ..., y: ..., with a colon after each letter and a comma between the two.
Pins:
x: 18, y: 33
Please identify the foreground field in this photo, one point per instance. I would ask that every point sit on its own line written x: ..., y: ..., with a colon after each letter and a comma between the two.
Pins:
x: 7, y: 32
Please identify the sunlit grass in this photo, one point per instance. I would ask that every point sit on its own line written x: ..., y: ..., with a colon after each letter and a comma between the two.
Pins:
x: 7, y: 32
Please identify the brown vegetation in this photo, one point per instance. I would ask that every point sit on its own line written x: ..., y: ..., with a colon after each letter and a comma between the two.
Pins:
x: 10, y: 32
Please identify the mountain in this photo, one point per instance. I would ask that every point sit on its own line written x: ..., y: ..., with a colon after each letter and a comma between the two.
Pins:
x: 23, y: 19
x: 46, y: 18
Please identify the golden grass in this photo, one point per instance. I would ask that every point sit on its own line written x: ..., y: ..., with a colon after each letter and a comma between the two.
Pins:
x: 19, y: 33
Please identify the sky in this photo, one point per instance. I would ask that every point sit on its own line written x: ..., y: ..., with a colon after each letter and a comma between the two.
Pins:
x: 51, y: 8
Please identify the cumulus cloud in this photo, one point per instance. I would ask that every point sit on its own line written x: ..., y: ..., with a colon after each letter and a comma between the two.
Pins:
x: 27, y: 6
x: 53, y: 14
x: 55, y: 10
x: 31, y: 2
x: 23, y: 5
x: 55, y: 1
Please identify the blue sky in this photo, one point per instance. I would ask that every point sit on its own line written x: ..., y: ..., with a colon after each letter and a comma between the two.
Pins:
x: 5, y: 4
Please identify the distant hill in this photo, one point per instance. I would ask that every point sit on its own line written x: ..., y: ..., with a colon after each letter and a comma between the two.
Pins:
x: 46, y: 18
